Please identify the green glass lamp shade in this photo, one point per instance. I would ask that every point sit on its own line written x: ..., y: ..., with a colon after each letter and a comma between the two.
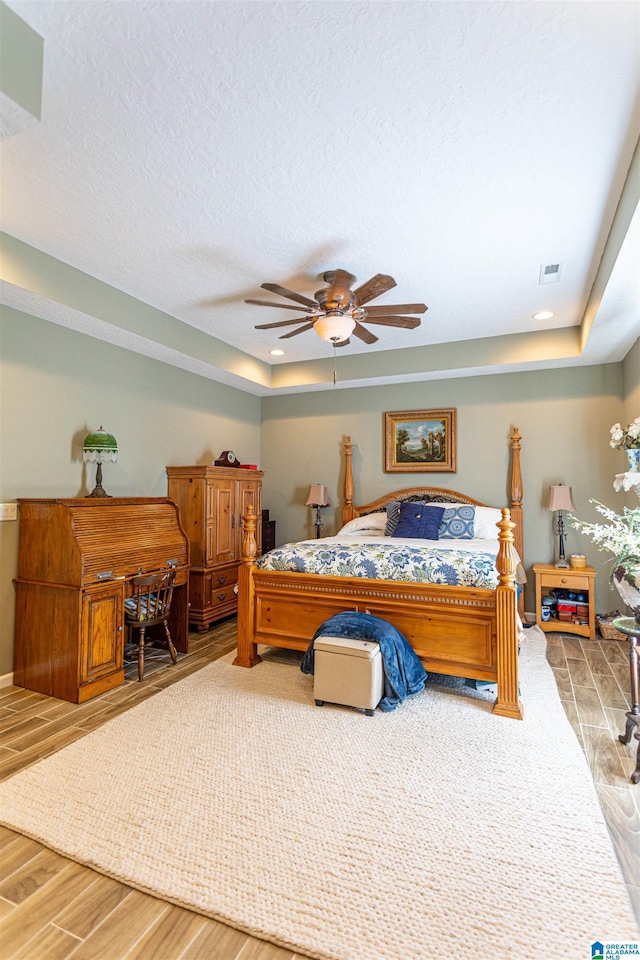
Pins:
x: 100, y: 447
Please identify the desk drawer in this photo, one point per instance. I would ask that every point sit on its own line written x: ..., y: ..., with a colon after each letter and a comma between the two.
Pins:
x: 181, y: 576
x: 558, y: 582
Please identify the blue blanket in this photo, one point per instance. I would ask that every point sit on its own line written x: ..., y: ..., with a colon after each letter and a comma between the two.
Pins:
x: 402, y: 670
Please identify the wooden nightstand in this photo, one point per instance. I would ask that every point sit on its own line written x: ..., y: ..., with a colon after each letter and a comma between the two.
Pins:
x: 581, y: 580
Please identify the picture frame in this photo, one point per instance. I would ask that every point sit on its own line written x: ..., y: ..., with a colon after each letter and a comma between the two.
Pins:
x: 420, y: 441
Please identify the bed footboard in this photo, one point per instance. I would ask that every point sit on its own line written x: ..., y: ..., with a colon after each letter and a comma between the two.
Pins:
x: 464, y: 631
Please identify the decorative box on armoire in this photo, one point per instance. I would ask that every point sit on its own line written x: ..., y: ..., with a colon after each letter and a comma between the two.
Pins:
x: 212, y: 501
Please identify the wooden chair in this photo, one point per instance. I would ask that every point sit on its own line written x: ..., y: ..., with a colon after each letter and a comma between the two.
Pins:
x: 150, y: 605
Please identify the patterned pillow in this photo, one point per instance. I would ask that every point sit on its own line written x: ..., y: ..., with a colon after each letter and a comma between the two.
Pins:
x: 457, y: 523
x: 393, y: 515
x: 418, y: 520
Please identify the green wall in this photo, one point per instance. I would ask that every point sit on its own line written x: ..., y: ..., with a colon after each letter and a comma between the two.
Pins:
x: 56, y: 385
x: 564, y: 418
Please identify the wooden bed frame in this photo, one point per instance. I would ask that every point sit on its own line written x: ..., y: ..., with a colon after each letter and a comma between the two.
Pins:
x: 463, y: 631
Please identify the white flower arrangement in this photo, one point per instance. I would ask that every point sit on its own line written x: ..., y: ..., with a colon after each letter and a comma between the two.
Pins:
x: 621, y: 536
x: 628, y: 439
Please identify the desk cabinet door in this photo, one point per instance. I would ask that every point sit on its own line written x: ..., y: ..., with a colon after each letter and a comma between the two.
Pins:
x: 102, y: 633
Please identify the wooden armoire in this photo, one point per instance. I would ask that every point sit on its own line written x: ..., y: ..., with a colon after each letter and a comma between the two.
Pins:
x: 212, y: 501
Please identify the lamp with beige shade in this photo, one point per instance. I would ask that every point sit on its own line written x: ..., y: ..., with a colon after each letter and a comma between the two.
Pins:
x: 560, y: 498
x: 317, y: 498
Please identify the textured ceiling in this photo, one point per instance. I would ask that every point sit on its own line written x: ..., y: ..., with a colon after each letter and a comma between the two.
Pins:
x: 188, y: 151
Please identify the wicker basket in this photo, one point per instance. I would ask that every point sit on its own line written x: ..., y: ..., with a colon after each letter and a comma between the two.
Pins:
x: 609, y: 632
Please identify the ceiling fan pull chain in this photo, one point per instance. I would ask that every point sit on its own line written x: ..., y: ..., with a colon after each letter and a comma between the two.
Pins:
x: 335, y: 361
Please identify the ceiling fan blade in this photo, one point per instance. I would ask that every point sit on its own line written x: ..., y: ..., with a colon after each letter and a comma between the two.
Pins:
x: 294, y: 333
x: 280, y: 306
x: 396, y: 308
x: 366, y: 335
x: 290, y: 294
x: 410, y: 323
x: 280, y: 323
x: 373, y: 288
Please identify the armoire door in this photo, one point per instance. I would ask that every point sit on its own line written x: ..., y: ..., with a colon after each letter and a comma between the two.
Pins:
x: 221, y: 521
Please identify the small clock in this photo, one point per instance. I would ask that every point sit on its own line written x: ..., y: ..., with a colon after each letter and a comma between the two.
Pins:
x: 227, y: 459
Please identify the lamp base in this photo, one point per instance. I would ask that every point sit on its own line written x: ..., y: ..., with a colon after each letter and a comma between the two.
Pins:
x: 318, y: 519
x: 562, y: 562
x: 98, y: 490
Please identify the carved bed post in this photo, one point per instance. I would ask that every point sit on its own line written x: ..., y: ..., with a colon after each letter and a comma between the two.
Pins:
x: 348, y: 513
x: 516, y: 503
x: 247, y: 652
x: 508, y: 703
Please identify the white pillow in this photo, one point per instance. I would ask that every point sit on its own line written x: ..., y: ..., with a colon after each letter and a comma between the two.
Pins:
x: 485, y: 523
x: 375, y: 522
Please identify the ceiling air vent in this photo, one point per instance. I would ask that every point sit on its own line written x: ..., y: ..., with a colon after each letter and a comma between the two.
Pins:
x: 550, y: 272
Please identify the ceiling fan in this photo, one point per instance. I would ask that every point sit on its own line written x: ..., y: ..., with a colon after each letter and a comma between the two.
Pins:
x: 337, y: 312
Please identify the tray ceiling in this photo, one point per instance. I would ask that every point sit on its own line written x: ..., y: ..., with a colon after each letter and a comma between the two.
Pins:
x: 186, y: 152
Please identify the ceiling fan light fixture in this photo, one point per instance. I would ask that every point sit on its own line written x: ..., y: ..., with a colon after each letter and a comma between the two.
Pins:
x: 334, y: 327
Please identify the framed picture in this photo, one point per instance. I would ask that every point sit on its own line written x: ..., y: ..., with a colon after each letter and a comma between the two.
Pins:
x: 420, y: 441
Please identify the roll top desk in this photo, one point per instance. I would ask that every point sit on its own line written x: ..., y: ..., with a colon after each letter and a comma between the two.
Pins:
x: 76, y: 561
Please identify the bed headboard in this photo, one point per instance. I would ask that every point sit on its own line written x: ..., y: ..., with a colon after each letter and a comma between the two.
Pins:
x: 440, y: 494
x: 424, y: 494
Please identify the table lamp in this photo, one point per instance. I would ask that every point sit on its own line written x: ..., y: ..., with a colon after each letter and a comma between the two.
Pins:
x: 99, y: 447
x: 317, y: 498
x: 560, y: 498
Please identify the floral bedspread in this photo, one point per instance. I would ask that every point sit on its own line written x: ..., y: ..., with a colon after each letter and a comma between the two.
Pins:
x: 386, y: 561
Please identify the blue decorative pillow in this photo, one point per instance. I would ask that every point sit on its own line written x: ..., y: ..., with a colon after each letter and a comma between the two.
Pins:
x: 418, y: 520
x: 457, y: 523
x: 393, y: 515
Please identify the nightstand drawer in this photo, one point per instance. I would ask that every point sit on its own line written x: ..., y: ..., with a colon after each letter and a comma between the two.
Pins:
x: 561, y: 582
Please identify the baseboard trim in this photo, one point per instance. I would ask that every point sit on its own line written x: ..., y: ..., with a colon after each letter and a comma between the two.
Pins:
x: 6, y: 680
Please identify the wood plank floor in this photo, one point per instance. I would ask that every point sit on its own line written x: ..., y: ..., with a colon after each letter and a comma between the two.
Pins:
x: 52, y: 908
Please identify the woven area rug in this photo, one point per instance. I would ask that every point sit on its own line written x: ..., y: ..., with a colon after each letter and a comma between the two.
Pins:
x: 435, y: 830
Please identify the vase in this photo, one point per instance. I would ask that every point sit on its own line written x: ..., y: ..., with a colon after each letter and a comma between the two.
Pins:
x: 626, y: 579
x: 633, y: 456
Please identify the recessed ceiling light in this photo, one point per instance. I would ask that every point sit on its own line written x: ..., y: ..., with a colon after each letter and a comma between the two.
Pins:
x: 277, y: 353
x: 544, y: 315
